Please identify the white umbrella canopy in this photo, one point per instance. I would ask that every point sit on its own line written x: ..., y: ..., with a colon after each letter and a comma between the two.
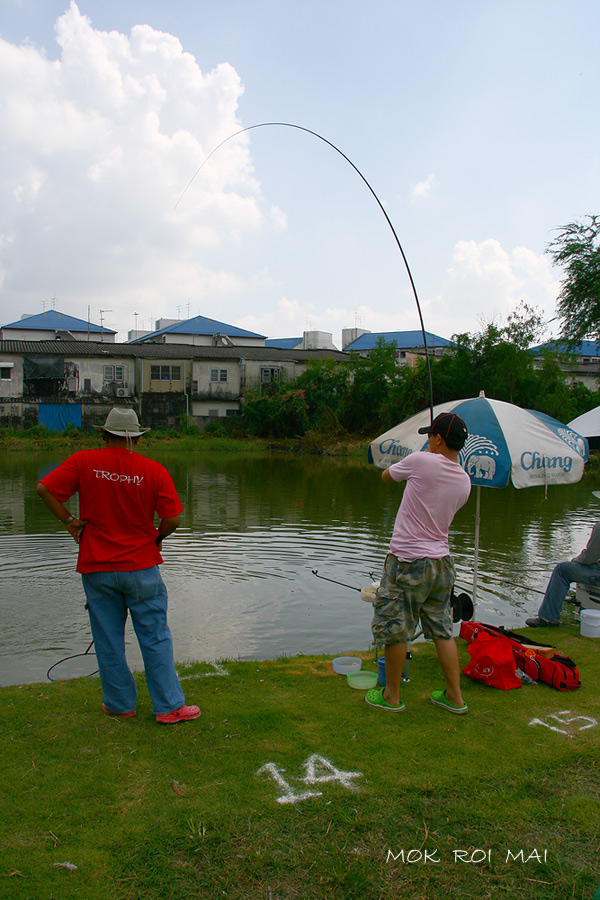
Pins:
x: 505, y: 443
x: 589, y: 426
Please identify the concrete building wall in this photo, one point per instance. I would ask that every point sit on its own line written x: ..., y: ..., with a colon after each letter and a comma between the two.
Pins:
x: 115, y: 376
x: 31, y: 334
x: 163, y: 376
x: 11, y: 376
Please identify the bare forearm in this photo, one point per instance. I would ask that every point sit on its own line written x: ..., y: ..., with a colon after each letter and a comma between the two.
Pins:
x: 56, y: 507
x: 168, y: 526
x: 73, y: 525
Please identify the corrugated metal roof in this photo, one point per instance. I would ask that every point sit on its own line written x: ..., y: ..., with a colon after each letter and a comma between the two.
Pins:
x: 199, y: 325
x: 404, y: 340
x: 162, y: 351
x: 584, y: 348
x: 283, y: 343
x: 52, y: 320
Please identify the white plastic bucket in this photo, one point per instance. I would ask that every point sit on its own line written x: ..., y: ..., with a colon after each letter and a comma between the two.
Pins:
x: 590, y: 623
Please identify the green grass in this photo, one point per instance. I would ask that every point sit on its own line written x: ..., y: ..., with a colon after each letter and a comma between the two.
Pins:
x: 149, y: 811
x: 39, y: 438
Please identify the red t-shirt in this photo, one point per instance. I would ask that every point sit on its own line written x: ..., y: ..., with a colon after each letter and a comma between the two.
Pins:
x: 119, y: 493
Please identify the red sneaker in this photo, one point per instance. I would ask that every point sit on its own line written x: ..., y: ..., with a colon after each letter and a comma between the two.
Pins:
x: 183, y: 714
x: 109, y: 712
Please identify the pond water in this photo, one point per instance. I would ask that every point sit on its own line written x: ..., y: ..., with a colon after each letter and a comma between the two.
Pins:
x: 240, y: 569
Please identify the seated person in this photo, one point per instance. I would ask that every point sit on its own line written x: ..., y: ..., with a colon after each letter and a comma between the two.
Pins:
x: 583, y: 569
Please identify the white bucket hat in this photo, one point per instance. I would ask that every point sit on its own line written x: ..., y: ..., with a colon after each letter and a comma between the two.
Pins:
x: 122, y: 422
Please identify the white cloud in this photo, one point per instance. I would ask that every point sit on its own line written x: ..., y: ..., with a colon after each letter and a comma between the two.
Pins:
x: 98, y: 146
x: 423, y: 188
x: 485, y: 283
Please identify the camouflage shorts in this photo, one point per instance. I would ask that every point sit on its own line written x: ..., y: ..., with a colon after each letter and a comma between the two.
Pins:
x: 411, y: 590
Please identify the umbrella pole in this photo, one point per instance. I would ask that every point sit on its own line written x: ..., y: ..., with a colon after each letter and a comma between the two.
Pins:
x: 476, y: 554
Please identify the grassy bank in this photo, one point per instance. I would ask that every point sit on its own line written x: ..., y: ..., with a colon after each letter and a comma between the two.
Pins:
x: 501, y: 803
x: 39, y: 439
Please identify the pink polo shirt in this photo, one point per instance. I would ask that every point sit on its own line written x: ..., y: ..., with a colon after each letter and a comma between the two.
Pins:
x: 436, y: 487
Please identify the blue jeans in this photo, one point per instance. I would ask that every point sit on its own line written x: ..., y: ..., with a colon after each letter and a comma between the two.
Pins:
x: 560, y: 581
x: 110, y: 595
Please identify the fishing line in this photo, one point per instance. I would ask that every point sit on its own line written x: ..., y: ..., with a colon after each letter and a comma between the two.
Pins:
x: 523, y: 587
x: 378, y: 201
x: 67, y: 658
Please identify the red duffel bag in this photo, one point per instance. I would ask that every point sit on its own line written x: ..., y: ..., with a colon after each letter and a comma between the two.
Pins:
x: 559, y: 672
x: 492, y: 662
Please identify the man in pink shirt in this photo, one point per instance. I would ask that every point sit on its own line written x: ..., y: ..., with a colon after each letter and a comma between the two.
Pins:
x: 418, y: 573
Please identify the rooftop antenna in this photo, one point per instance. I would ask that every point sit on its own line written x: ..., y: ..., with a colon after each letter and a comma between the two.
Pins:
x: 135, y: 318
x: 102, y: 311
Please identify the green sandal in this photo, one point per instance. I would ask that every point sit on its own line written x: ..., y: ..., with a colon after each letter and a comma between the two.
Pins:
x: 439, y: 698
x: 374, y: 697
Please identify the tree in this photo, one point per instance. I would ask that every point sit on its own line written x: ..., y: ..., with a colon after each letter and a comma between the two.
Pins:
x: 495, y: 360
x: 577, y: 250
x: 524, y: 326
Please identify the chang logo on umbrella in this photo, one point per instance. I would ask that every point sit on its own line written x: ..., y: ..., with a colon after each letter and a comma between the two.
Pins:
x: 477, y: 457
x: 573, y: 440
x: 531, y: 460
x: 394, y: 448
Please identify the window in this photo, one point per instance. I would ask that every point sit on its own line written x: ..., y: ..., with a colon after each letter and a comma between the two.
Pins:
x: 87, y: 385
x: 114, y: 373
x: 231, y: 412
x: 218, y: 375
x: 165, y: 373
x: 214, y: 412
x: 267, y: 375
x: 5, y: 373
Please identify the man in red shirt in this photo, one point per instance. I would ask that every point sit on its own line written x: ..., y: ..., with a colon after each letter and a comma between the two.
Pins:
x: 119, y: 553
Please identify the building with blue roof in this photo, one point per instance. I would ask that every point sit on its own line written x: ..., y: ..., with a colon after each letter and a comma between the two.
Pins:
x: 200, y: 331
x: 578, y: 362
x: 583, y: 350
x: 310, y: 340
x: 284, y: 343
x: 409, y: 344
x: 54, y: 325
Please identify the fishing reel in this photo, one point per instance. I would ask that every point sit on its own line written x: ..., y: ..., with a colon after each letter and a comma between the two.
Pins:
x: 462, y: 607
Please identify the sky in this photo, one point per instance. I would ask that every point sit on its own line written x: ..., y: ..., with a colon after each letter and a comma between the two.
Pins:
x: 130, y: 190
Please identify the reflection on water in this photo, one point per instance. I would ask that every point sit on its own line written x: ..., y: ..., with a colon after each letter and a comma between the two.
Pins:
x: 240, y: 570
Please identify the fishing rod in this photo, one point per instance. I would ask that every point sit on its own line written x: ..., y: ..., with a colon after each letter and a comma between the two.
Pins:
x: 341, y: 583
x: 378, y: 201
x: 462, y: 605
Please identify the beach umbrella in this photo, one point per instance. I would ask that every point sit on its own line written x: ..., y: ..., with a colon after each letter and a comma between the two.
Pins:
x: 505, y: 443
x: 589, y: 426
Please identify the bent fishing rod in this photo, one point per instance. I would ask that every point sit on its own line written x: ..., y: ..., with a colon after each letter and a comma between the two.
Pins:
x: 372, y: 191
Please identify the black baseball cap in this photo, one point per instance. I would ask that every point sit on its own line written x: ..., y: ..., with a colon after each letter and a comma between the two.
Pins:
x: 449, y: 426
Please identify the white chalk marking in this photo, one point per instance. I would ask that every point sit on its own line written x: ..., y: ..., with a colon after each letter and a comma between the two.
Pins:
x: 288, y: 795
x: 219, y: 670
x: 328, y: 772
x: 566, y: 717
x: 317, y: 770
